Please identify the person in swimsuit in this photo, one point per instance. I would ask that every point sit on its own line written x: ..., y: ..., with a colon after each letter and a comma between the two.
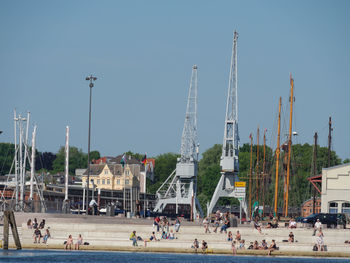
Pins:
x: 272, y: 247
x: 152, y: 238
x: 69, y: 243
x: 79, y: 242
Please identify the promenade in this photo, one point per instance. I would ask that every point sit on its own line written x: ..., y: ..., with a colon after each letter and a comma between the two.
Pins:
x: 112, y: 233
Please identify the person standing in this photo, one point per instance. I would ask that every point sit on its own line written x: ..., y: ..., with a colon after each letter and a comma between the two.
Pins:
x: 317, y: 226
x: 177, y: 224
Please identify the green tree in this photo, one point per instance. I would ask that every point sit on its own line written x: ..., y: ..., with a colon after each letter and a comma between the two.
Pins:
x: 7, y: 153
x: 77, y: 159
x: 165, y: 164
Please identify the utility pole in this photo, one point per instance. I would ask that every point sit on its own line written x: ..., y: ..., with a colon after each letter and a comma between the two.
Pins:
x: 91, y: 84
x: 277, y: 154
x: 314, y: 164
x: 329, y: 141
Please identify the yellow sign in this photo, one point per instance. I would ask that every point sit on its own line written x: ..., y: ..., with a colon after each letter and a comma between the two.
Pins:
x: 239, y: 184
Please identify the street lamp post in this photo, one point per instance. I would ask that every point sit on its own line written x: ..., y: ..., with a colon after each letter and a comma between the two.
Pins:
x: 91, y: 84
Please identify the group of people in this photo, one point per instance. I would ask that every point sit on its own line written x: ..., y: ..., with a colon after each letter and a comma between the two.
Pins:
x: 69, y: 243
x: 204, y: 245
x: 37, y: 235
x: 163, y: 224
x: 319, y: 233
x: 223, y: 219
x: 165, y: 235
x: 263, y: 246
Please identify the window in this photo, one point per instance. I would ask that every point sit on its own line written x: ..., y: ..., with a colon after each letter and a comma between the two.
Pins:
x: 108, y: 181
x: 98, y: 181
x: 106, y: 171
x: 118, y: 182
x: 333, y: 208
x: 103, y: 181
x: 345, y: 208
x: 127, y: 181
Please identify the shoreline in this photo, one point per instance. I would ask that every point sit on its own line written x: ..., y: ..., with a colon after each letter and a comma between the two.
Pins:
x: 278, y: 253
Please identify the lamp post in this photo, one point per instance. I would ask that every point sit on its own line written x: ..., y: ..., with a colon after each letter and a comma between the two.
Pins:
x: 91, y: 84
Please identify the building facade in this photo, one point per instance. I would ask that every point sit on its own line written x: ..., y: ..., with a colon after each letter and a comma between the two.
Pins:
x: 335, y: 197
x: 113, y: 176
x: 307, y: 207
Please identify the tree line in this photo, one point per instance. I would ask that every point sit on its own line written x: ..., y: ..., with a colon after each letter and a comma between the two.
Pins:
x: 209, y: 169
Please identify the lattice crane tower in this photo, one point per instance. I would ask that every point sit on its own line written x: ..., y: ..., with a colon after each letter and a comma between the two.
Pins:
x: 229, y: 158
x: 181, y: 186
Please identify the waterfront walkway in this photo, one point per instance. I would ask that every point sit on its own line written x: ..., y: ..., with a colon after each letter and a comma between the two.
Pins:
x: 112, y: 233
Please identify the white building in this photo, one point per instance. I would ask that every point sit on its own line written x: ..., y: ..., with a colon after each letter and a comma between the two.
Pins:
x: 335, y: 197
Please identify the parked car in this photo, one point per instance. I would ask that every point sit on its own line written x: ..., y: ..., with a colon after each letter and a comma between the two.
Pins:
x: 331, y: 220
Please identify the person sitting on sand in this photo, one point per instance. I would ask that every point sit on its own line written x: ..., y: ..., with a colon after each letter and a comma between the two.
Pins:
x: 272, y: 247
x: 291, y: 237
x: 251, y: 246
x: 225, y: 225
x: 229, y: 236
x: 273, y: 223
x: 79, y: 242
x: 29, y: 224
x: 257, y: 226
x: 133, y: 237
x: 204, y: 246
x: 47, y: 235
x: 263, y: 245
x: 292, y: 224
x: 242, y: 244
x: 69, y: 243
x: 37, y: 236
x: 256, y: 245
x: 164, y: 235
x: 195, y: 244
x: 238, y: 236
x: 171, y: 235
x: 152, y: 238
x: 42, y: 224
x: 35, y: 223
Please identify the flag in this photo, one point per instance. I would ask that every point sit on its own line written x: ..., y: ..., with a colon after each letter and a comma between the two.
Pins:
x: 250, y: 136
x: 123, y: 160
x: 144, y: 160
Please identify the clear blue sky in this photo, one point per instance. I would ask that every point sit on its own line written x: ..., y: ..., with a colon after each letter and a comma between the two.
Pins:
x: 142, y: 53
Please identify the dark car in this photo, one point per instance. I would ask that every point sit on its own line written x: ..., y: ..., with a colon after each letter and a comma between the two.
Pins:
x: 331, y: 220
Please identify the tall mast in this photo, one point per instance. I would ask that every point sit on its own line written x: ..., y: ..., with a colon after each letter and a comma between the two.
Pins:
x: 263, y: 174
x: 329, y: 141
x: 32, y: 165
x: 250, y: 174
x: 289, y: 140
x: 314, y: 165
x: 277, y: 154
x: 257, y: 166
x: 66, y: 164
x: 16, y: 156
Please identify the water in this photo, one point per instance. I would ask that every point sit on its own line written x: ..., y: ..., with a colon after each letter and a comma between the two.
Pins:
x: 48, y: 256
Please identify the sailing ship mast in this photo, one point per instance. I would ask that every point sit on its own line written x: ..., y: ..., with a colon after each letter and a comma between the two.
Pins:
x: 289, y: 141
x: 277, y: 154
x: 250, y: 175
x: 257, y: 167
x: 263, y: 174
